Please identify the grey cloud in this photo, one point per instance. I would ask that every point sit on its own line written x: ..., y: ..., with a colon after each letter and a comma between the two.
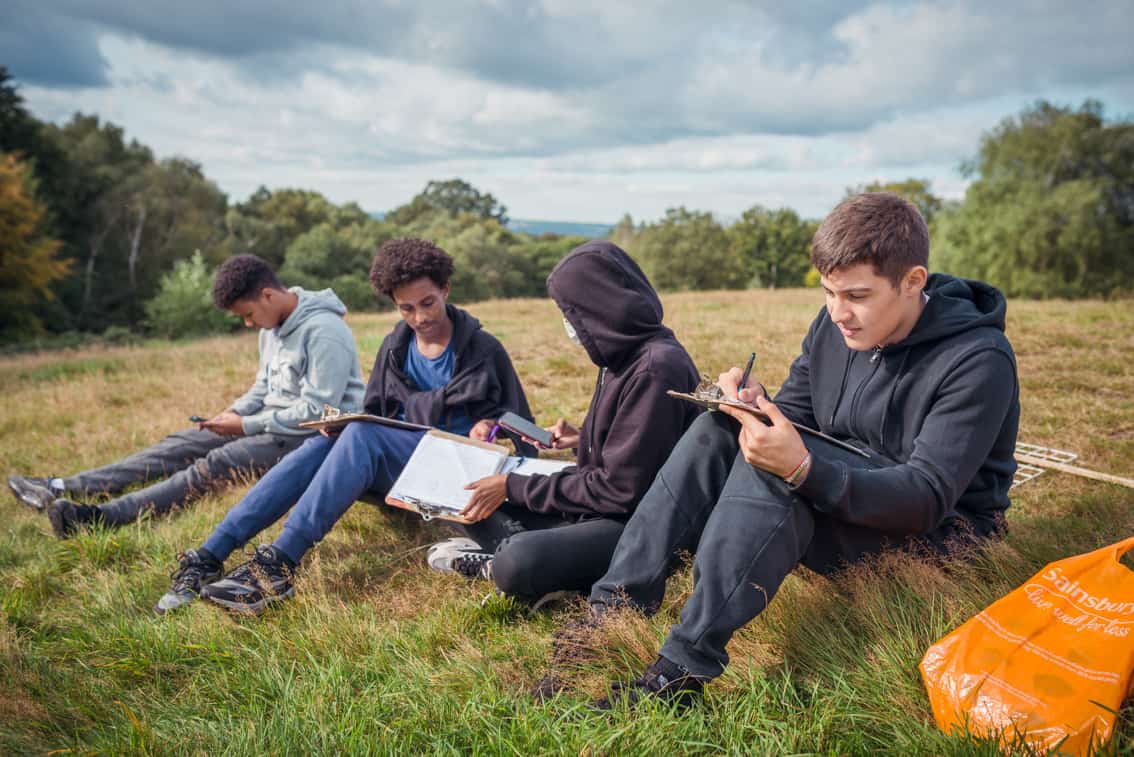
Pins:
x: 41, y: 48
x: 666, y: 70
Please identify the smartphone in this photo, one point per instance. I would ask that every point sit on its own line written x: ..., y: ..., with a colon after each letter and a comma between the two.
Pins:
x: 524, y: 427
x: 197, y: 419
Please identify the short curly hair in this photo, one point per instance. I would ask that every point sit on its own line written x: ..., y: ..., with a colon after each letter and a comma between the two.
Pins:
x: 242, y: 277
x: 400, y: 261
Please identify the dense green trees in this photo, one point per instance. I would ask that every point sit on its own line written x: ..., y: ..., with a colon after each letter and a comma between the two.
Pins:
x: 1050, y: 212
x: 773, y: 245
x: 93, y: 227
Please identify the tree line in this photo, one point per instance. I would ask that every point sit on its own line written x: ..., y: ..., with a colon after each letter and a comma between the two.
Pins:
x: 98, y: 234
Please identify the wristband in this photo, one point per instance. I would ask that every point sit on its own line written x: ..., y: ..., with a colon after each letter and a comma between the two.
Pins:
x: 799, y: 472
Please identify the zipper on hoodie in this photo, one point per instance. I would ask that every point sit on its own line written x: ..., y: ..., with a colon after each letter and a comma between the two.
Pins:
x: 594, y: 404
x: 874, y: 361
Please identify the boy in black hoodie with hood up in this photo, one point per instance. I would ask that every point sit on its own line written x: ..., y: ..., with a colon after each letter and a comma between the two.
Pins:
x: 542, y: 534
x: 913, y: 370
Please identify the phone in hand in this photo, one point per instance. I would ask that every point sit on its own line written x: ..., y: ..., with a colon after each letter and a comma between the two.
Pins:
x: 525, y: 428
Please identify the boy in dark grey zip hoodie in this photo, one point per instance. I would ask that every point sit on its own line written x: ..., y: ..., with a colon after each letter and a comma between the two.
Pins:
x: 307, y: 358
x: 912, y: 370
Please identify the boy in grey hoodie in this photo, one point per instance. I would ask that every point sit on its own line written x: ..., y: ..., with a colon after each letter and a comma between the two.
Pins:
x: 307, y: 358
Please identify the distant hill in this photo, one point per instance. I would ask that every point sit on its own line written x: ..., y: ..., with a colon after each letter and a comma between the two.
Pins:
x: 562, y: 228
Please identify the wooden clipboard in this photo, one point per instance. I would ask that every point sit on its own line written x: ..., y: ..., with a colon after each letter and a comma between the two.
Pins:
x: 334, y: 418
x: 430, y: 465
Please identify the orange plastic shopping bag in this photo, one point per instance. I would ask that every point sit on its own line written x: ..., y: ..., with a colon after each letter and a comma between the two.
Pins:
x: 1052, y: 660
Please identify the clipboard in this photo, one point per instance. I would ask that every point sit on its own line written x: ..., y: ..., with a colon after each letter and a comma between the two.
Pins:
x: 432, y: 482
x: 715, y: 403
x: 333, y: 418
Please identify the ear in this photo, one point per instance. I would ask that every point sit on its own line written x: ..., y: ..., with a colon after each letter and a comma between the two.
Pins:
x: 914, y: 280
x: 446, y: 289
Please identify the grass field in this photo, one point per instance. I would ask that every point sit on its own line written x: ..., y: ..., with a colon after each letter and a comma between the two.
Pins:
x: 377, y: 654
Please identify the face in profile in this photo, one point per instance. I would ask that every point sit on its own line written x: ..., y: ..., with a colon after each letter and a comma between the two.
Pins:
x: 421, y: 303
x: 259, y: 312
x: 868, y: 309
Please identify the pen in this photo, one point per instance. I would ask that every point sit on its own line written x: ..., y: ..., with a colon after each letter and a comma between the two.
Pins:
x: 492, y: 433
x: 747, y: 371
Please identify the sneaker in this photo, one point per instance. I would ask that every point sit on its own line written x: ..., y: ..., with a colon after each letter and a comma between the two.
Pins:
x: 474, y: 565
x: 441, y: 555
x: 664, y: 681
x: 36, y: 493
x: 195, y: 572
x: 67, y: 517
x: 252, y: 586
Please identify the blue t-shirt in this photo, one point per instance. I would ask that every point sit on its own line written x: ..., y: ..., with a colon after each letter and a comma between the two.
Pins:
x: 434, y: 373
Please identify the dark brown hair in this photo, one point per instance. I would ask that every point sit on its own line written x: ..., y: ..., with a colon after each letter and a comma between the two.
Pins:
x: 400, y: 261
x: 879, y: 228
x: 242, y: 277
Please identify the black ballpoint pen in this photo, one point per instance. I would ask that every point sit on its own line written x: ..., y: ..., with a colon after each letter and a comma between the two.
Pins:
x: 747, y: 371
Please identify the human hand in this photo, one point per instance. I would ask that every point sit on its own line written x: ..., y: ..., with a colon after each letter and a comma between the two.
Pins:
x: 481, y: 430
x: 331, y: 432
x: 729, y: 381
x: 563, y: 435
x: 778, y: 448
x: 488, y: 494
x: 227, y: 423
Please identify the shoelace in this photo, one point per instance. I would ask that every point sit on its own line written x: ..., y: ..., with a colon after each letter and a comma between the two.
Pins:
x: 189, y: 575
x: 261, y: 564
x: 474, y: 565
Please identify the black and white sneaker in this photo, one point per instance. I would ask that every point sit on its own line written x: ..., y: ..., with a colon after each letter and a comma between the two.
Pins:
x: 664, y: 681
x: 68, y: 517
x: 34, y: 492
x: 252, y: 586
x: 196, y: 570
x: 474, y: 565
x: 442, y: 556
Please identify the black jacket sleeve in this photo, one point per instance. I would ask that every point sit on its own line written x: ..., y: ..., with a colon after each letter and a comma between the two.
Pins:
x: 646, y: 426
x: 969, y: 407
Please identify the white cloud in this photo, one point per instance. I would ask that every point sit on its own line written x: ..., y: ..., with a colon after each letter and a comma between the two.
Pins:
x: 585, y: 109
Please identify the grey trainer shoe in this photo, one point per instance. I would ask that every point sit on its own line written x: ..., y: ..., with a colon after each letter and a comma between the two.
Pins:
x: 442, y: 554
x: 195, y: 572
x: 34, y: 492
x: 251, y: 587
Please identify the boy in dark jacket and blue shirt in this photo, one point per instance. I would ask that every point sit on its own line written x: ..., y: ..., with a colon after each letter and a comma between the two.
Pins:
x: 557, y: 532
x: 913, y: 370
x: 437, y: 367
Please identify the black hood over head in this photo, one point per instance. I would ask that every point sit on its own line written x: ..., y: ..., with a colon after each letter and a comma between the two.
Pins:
x: 608, y: 300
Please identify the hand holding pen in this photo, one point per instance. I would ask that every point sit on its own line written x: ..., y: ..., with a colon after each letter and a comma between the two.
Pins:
x: 734, y: 382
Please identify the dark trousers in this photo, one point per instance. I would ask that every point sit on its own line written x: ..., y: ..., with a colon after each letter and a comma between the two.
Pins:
x: 748, y: 530
x: 536, y: 554
x: 186, y: 466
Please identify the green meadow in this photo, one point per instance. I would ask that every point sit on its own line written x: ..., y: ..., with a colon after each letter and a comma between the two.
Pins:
x: 377, y: 654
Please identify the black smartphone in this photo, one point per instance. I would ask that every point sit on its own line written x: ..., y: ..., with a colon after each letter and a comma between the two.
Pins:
x: 524, y: 427
x: 197, y: 419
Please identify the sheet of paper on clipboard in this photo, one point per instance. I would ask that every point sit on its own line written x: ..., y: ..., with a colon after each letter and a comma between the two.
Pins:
x: 434, y: 479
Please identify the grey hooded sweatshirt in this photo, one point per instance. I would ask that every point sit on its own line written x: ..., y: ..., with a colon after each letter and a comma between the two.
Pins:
x: 307, y: 361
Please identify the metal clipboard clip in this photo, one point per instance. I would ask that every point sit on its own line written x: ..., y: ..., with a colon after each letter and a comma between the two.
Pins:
x: 427, y: 510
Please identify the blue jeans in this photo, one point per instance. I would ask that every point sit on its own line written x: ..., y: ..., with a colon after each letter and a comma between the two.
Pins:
x: 322, y: 478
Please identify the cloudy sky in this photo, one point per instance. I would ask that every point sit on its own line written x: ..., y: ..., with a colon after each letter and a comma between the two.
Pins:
x: 568, y: 109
